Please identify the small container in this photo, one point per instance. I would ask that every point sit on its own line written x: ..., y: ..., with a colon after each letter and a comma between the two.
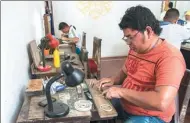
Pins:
x: 56, y: 58
x: 46, y: 52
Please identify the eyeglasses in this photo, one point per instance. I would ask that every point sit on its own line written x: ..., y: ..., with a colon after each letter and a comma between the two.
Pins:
x: 128, y: 40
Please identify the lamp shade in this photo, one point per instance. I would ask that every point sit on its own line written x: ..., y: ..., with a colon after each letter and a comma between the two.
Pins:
x: 73, y: 76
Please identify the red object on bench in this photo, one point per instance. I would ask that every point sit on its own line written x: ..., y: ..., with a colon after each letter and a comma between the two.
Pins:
x: 53, y: 41
x: 92, y: 66
x: 44, y: 69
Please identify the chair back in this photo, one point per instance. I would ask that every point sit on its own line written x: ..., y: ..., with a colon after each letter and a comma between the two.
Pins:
x: 84, y: 40
x: 184, y: 96
x: 182, y: 99
x: 35, y: 53
x: 84, y: 59
x: 96, y: 55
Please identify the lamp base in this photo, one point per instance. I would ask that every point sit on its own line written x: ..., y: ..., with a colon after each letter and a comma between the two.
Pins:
x: 59, y: 110
x: 44, y: 69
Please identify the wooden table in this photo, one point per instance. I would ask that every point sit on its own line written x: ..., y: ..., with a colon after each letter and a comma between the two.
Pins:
x: 185, y: 50
x: 99, y: 100
x: 54, y: 70
x: 31, y: 112
x: 68, y: 47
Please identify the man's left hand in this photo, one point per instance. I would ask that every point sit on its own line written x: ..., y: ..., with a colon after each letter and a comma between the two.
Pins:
x: 112, y: 92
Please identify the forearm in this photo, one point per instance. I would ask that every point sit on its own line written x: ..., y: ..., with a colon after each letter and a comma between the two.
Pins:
x: 66, y: 39
x: 71, y: 40
x: 119, y: 78
x: 148, y: 100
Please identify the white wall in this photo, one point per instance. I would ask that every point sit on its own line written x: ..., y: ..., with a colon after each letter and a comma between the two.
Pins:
x: 105, y: 27
x: 21, y: 22
x: 183, y: 6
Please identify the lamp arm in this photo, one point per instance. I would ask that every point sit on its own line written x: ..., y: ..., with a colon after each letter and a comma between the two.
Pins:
x: 48, y: 95
x: 43, y: 56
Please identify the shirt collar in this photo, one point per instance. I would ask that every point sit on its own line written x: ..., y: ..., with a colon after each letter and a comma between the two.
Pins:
x: 162, y: 23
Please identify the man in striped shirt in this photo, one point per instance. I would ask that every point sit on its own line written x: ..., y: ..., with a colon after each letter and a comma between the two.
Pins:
x: 70, y: 34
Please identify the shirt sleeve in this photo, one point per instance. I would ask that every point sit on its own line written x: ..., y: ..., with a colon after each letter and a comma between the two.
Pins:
x: 74, y: 33
x: 170, y: 71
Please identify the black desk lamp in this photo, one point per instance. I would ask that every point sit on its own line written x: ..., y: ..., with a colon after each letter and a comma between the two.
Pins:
x: 73, y: 77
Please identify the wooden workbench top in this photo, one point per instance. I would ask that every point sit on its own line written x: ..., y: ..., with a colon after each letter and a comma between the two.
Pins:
x: 99, y: 101
x: 186, y: 46
x: 32, y: 112
x: 54, y: 70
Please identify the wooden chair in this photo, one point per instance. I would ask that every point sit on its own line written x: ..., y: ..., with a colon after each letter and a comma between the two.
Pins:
x: 35, y: 53
x: 34, y: 57
x: 182, y: 99
x: 84, y: 40
x: 84, y: 59
x: 94, y: 64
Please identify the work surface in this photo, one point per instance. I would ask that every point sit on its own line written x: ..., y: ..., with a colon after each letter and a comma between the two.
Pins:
x: 75, y: 63
x: 31, y: 112
x: 186, y: 46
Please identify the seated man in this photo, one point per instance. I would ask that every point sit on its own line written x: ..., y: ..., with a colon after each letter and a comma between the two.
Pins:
x: 187, y: 18
x: 70, y: 34
x: 170, y: 6
x: 151, y: 75
x: 172, y: 32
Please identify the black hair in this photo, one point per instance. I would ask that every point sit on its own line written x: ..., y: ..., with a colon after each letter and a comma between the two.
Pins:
x: 62, y: 25
x: 170, y: 5
x: 172, y: 14
x: 139, y: 18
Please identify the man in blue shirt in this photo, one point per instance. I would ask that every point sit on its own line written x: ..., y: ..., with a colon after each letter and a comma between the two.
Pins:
x: 171, y: 31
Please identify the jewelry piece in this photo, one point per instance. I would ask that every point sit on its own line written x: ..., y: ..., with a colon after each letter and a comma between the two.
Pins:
x: 83, y: 105
x: 106, y: 107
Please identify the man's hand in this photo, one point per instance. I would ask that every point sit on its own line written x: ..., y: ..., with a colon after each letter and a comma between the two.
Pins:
x: 103, y: 83
x: 112, y: 92
x: 75, y: 39
x: 106, y: 82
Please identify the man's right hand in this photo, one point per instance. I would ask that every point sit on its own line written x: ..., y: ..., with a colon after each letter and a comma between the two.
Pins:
x: 103, y: 83
x: 75, y: 39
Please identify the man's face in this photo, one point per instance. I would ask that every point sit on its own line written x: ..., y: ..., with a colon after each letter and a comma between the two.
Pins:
x: 137, y: 41
x: 187, y: 17
x: 65, y: 30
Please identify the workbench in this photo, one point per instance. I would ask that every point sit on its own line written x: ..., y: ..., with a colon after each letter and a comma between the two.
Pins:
x: 54, y: 70
x: 36, y: 59
x: 31, y: 112
x: 185, y: 50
